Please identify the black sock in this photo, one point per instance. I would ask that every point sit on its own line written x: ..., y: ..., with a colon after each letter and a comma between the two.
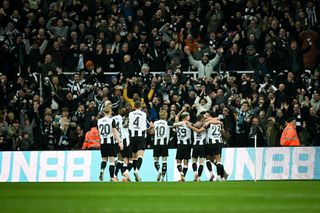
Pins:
x: 111, y: 170
x: 164, y: 169
x: 134, y: 164
x: 200, y: 170
x: 209, y: 166
x: 118, y: 167
x: 103, y: 165
x: 129, y: 166
x: 157, y: 165
x: 222, y: 170
x: 185, y: 170
x: 179, y: 167
x: 139, y: 163
x: 194, y: 167
x: 124, y: 168
x: 219, y: 169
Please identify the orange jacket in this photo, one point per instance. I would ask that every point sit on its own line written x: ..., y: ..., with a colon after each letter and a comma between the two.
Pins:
x: 92, y: 139
x: 289, y: 136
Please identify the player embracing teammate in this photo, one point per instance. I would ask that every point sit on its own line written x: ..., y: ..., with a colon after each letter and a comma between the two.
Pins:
x: 202, y: 138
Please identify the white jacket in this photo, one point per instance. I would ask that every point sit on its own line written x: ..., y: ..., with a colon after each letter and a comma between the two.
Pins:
x: 202, y: 108
x: 204, y: 70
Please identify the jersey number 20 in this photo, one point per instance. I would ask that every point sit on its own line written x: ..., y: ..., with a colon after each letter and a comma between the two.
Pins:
x: 104, y: 129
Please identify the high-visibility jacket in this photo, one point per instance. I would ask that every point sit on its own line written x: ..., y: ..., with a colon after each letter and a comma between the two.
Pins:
x: 92, y: 139
x: 289, y: 136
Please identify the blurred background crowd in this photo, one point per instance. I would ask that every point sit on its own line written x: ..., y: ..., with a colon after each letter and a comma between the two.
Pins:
x: 255, y: 63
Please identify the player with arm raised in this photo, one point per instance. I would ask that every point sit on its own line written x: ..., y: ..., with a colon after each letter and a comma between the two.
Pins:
x: 137, y: 134
x: 184, y: 137
x: 214, y: 145
x: 161, y: 140
x: 108, y: 132
x: 198, y: 146
x: 126, y: 154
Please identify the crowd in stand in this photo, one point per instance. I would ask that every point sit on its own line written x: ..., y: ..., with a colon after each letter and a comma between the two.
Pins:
x: 43, y: 108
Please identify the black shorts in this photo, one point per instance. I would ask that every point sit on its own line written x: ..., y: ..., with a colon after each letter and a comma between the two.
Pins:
x: 160, y: 151
x: 126, y: 152
x: 109, y: 150
x: 183, y: 152
x: 198, y: 151
x: 213, y: 149
x: 137, y: 143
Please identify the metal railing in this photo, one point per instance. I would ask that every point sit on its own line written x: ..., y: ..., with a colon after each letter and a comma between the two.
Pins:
x: 194, y: 74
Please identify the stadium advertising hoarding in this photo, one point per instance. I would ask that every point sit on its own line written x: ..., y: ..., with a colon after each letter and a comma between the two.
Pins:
x: 83, y: 166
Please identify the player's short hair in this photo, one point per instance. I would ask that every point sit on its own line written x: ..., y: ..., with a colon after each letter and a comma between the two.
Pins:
x: 137, y: 104
x: 107, y: 103
x: 107, y: 109
x: 184, y: 115
x: 200, y: 116
x: 211, y: 113
x: 122, y: 111
x: 163, y: 114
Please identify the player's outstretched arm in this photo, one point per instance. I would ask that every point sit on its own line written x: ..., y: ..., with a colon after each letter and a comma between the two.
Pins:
x: 195, y: 129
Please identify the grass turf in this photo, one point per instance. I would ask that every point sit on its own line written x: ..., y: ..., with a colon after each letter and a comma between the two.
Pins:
x: 266, y: 196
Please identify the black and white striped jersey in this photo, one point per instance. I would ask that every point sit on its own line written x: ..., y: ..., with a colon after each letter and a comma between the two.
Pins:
x: 214, y: 134
x: 161, y: 132
x: 184, y: 134
x: 199, y: 138
x: 105, y: 126
x: 77, y: 88
x: 137, y: 124
x: 123, y: 133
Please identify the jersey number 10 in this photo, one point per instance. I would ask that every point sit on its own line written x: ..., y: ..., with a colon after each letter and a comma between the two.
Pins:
x: 160, y: 131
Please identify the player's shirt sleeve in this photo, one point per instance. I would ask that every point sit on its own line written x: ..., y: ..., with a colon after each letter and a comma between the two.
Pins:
x: 113, y: 124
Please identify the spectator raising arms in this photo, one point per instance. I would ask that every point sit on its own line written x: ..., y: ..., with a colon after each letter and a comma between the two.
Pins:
x: 253, y: 64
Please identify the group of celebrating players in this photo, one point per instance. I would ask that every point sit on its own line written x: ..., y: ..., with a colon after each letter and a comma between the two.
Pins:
x: 201, y: 140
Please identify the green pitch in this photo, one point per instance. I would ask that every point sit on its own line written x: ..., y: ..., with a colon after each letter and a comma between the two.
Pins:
x: 222, y: 197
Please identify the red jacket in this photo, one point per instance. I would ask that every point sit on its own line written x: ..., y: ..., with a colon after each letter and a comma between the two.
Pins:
x: 289, y: 136
x: 92, y: 139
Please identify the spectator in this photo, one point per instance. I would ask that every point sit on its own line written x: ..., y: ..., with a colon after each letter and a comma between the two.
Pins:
x: 305, y: 136
x: 315, y: 101
x: 308, y: 39
x: 60, y: 27
x: 92, y: 138
x: 257, y: 131
x: 234, y: 58
x: 203, y: 102
x: 273, y: 132
x: 243, y: 119
x: 45, y: 131
x: 205, y: 67
x: 158, y: 54
x: 150, y: 45
x: 127, y: 68
x: 289, y: 135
